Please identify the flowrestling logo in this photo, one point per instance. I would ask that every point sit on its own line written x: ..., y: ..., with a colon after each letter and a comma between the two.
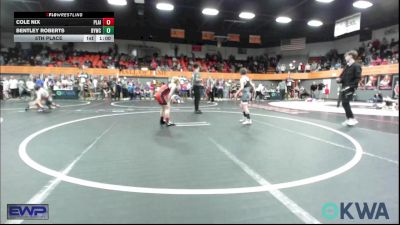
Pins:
x: 355, y: 210
x: 27, y: 212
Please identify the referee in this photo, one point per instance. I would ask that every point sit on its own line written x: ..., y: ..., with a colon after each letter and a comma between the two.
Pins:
x: 349, y: 79
x: 197, y: 87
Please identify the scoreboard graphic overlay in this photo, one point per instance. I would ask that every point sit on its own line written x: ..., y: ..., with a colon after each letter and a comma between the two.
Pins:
x: 63, y: 26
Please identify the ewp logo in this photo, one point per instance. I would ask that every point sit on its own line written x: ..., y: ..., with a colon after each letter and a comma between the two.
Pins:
x: 332, y: 211
x: 27, y: 212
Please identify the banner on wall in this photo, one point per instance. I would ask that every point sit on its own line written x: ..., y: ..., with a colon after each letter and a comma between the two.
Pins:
x: 208, y: 36
x: 396, y: 87
x: 361, y: 83
x: 327, y: 86
x: 254, y: 39
x: 385, y: 82
x: 371, y: 83
x: 177, y: 33
x: 242, y: 51
x: 234, y: 37
x: 196, y: 48
x: 347, y: 24
x: 293, y: 44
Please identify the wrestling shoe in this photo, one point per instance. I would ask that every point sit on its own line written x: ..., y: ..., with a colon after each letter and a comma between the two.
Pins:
x: 170, y: 124
x: 247, y: 122
x: 352, y: 122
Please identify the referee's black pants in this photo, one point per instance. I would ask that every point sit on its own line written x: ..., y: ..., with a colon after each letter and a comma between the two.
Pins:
x: 14, y: 92
x: 211, y: 94
x: 283, y: 93
x: 197, y: 94
x: 346, y: 98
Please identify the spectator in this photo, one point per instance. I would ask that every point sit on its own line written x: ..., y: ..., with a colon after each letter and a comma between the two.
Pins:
x: 300, y: 68
x: 313, y: 89
x: 259, y: 90
x: 22, y: 89
x: 307, y: 68
x: 118, y: 90
x: 376, y: 99
x: 227, y: 87
x: 152, y: 88
x: 106, y: 90
x: 130, y: 90
x: 396, y: 90
x: 13, y: 87
x: 314, y: 66
x: 292, y: 67
x: 6, y: 89
x: 385, y: 82
x: 220, y: 89
x: 30, y: 88
x: 289, y: 87
x: 327, y: 91
x: 95, y: 85
x: 321, y: 86
x: 85, y: 89
x: 210, y: 89
x: 91, y: 88
x: 282, y: 89
x: 303, y: 93
x: 283, y: 68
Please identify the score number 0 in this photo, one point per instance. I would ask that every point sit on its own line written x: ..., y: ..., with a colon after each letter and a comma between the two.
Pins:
x: 108, y: 21
x: 108, y: 25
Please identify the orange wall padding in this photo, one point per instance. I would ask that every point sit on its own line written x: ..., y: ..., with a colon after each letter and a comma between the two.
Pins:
x: 375, y: 70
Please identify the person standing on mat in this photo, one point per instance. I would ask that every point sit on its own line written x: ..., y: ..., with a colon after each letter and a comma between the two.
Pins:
x: 197, y: 87
x: 163, y: 96
x: 245, y: 86
x: 282, y: 89
x: 350, y: 77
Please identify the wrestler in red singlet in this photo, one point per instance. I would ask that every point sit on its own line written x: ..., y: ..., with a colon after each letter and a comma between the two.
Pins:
x: 162, y: 95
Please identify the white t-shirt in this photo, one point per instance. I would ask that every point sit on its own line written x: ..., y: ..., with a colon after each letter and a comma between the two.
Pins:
x: 83, y: 80
x: 45, y: 83
x: 13, y: 84
x: 95, y: 83
x: 30, y: 85
x: 6, y: 85
x: 42, y: 93
x: 20, y: 84
x: 260, y: 87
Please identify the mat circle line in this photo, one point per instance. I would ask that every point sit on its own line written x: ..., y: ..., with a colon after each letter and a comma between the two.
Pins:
x: 176, y: 191
x: 157, y: 107
x: 61, y: 106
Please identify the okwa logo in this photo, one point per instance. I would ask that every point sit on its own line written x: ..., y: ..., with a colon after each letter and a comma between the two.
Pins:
x: 351, y: 210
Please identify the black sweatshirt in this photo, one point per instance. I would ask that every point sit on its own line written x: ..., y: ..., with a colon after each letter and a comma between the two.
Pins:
x: 351, y: 75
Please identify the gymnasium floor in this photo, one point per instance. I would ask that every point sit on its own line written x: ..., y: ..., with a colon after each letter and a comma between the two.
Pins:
x: 96, y: 162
